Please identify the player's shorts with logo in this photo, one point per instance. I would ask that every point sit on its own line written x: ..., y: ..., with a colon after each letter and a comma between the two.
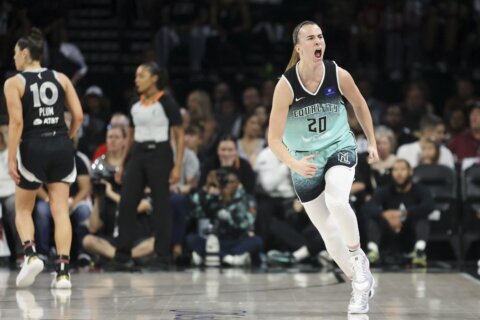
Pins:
x: 47, y: 159
x: 337, y: 154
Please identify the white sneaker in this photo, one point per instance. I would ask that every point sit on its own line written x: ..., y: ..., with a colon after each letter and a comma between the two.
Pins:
x: 359, y: 301
x: 61, y: 281
x: 362, y: 277
x: 237, y: 260
x: 30, y: 269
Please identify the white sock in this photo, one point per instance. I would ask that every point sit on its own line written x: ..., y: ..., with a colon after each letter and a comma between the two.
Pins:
x: 301, y: 253
x: 420, y: 245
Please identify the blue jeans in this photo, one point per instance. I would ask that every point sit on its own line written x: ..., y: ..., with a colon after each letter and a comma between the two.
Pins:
x: 43, y: 223
x: 179, y: 204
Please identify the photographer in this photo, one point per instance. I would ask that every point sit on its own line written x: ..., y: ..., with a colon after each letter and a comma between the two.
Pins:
x: 232, y: 213
x: 103, y: 220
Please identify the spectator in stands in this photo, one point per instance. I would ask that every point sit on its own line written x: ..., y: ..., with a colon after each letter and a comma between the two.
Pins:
x: 103, y: 228
x: 429, y: 129
x: 430, y: 152
x: 96, y: 116
x: 199, y: 106
x: 262, y: 114
x: 386, y: 144
x: 227, y: 156
x: 393, y: 119
x: 415, y: 105
x: 457, y: 121
x: 467, y: 144
x: 221, y: 90
x: 275, y: 197
x: 231, y: 212
x: 180, y: 196
x: 7, y: 201
x: 251, y: 142
x: 250, y: 99
x: 228, y: 118
x: 399, y: 217
x: 193, y: 139
x: 118, y: 120
x: 464, y: 96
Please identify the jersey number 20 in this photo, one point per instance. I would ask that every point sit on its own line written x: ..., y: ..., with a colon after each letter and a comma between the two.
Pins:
x: 317, y: 125
x: 41, y: 95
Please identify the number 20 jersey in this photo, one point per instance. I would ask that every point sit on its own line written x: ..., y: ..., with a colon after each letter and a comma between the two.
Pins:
x: 43, y: 103
x: 316, y: 120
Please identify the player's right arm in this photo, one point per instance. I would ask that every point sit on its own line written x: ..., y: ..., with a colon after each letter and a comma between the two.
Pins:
x: 73, y: 104
x: 282, y: 99
x: 13, y: 90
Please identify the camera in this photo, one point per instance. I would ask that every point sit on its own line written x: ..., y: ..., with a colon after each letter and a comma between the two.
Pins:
x: 101, y: 171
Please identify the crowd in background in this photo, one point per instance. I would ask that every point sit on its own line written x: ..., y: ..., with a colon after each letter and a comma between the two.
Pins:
x: 231, y: 181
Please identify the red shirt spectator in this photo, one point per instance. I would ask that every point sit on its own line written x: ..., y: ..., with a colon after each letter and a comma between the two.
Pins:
x: 467, y: 143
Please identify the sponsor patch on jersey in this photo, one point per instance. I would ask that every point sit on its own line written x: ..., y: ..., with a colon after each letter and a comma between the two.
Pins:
x: 329, y: 91
x: 343, y: 157
x: 37, y: 122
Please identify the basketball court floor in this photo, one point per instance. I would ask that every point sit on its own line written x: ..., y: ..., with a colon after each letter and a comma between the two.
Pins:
x: 238, y: 294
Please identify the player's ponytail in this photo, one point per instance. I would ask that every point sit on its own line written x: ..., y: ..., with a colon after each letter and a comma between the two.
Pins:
x: 34, y: 43
x: 295, y: 56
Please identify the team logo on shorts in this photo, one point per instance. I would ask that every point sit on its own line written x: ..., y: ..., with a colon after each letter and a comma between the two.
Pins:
x: 343, y: 157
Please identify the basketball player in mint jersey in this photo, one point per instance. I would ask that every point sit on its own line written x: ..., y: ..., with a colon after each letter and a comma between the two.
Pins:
x: 310, y: 133
x: 40, y: 151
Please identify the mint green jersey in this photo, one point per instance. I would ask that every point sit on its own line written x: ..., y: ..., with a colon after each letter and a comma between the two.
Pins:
x: 317, y: 120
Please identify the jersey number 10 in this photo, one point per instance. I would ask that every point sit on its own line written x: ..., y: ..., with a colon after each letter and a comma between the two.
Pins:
x: 317, y: 125
x: 41, y: 95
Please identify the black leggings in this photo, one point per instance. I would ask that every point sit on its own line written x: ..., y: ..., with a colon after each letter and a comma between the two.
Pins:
x: 149, y: 164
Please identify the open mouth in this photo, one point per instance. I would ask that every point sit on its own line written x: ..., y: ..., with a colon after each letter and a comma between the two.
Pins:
x: 318, y: 53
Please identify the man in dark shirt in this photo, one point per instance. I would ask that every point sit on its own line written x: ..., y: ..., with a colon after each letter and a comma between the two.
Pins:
x: 399, y: 216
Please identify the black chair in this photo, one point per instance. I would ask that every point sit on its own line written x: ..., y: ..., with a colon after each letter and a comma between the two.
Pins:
x: 471, y: 201
x: 442, y: 183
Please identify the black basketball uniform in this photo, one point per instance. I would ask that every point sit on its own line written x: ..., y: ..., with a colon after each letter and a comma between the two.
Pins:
x: 46, y: 153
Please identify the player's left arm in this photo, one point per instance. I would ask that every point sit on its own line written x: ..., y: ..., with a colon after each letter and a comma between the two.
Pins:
x: 350, y: 91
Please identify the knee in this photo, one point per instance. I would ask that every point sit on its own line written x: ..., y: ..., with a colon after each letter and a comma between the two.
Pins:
x: 88, y: 242
x: 335, y: 204
x: 82, y: 213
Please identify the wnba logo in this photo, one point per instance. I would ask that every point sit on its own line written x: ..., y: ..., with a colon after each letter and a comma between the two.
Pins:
x: 343, y: 157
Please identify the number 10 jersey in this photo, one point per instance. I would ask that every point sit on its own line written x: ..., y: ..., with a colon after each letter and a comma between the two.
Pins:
x: 317, y: 120
x: 43, y: 103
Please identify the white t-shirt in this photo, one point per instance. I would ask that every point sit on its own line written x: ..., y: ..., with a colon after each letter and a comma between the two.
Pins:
x: 412, y: 153
x: 7, y: 186
x: 273, y: 175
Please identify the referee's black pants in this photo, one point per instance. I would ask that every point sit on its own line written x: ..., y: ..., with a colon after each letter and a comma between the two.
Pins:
x: 149, y: 164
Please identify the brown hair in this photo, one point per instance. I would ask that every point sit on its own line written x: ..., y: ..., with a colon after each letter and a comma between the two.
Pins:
x: 295, y: 57
x: 34, y: 43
